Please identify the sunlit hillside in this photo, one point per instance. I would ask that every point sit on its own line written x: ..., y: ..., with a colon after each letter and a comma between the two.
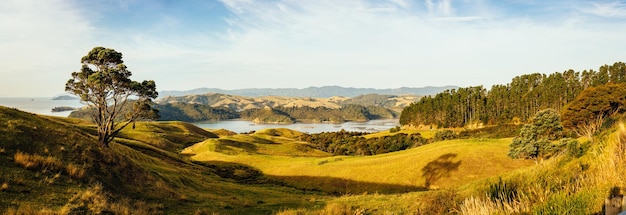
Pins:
x: 53, y: 165
x: 438, y: 165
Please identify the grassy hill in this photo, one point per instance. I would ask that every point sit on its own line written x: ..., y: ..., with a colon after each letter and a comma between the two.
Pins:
x: 53, y: 164
x: 439, y: 165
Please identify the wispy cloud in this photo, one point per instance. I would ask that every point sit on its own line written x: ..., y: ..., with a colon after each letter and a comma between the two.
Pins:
x: 608, y: 9
x: 301, y: 43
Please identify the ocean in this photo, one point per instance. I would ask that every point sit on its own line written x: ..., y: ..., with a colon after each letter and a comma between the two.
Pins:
x: 43, y: 106
x: 39, y: 105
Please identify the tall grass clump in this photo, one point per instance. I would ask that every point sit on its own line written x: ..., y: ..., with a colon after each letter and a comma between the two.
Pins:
x: 47, y: 164
x: 37, y: 161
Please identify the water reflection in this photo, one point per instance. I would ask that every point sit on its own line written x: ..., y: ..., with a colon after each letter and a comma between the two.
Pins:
x: 241, y: 126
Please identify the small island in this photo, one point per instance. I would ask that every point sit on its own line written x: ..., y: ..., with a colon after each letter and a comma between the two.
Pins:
x: 63, y: 109
x: 65, y: 97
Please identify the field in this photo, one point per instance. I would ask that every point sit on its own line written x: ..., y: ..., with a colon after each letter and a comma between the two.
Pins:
x: 51, y: 165
x: 438, y: 165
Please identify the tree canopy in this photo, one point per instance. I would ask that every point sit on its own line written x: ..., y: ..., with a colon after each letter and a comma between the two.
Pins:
x: 103, y: 83
x: 515, y: 102
x: 534, y: 140
x: 586, y: 113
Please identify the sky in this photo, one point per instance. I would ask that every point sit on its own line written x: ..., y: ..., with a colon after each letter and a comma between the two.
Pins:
x: 236, y: 44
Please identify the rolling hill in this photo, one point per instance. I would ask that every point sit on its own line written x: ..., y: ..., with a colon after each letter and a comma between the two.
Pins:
x: 438, y: 165
x: 314, y: 92
x: 53, y: 164
x: 240, y: 103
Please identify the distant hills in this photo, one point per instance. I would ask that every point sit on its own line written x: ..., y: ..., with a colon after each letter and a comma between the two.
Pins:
x: 282, y: 110
x: 240, y: 103
x: 313, y: 92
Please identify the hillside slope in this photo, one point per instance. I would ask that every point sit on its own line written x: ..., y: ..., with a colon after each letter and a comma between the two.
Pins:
x: 438, y: 165
x: 54, y: 164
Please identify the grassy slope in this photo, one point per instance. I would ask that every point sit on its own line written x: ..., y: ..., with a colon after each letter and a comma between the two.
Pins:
x: 143, y: 171
x: 565, y: 184
x: 443, y: 164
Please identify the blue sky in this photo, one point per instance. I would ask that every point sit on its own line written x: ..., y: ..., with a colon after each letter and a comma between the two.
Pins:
x: 234, y: 44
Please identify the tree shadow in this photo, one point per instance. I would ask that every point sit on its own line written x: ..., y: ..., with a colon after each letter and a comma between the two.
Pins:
x: 439, y: 168
x: 244, y: 174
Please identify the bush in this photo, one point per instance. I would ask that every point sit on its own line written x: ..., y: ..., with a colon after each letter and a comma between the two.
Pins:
x: 445, y: 135
x: 395, y: 129
x: 574, y: 148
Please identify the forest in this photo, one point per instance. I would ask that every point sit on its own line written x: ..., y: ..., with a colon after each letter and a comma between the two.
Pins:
x: 515, y: 102
x: 349, y: 112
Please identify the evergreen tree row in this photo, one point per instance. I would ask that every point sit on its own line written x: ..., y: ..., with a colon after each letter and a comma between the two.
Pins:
x: 515, y: 102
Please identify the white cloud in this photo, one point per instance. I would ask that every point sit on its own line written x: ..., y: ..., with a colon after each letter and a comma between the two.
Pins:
x: 608, y: 9
x: 37, y: 38
x: 358, y: 45
x: 291, y: 43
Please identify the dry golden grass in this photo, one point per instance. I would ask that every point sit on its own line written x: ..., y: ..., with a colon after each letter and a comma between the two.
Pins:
x: 48, y: 163
x: 75, y: 171
x: 37, y: 161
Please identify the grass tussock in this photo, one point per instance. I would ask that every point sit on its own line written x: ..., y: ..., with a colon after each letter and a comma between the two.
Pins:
x: 37, y: 161
x: 48, y: 163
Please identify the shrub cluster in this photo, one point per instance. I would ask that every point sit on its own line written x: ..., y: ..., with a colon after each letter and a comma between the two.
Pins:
x: 353, y: 143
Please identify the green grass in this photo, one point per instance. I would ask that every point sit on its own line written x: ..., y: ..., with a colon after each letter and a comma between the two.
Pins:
x: 41, y: 159
x: 443, y: 165
x: 143, y: 168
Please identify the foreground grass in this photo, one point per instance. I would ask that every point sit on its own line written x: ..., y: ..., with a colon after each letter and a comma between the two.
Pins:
x: 52, y: 165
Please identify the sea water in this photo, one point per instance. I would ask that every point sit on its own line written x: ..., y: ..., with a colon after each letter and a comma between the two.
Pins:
x: 44, y: 105
x: 39, y: 105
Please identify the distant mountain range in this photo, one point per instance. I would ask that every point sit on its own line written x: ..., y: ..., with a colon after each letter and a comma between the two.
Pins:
x: 313, y: 92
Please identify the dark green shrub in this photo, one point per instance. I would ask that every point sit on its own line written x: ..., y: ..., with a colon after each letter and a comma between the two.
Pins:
x: 574, y: 148
x: 445, y: 135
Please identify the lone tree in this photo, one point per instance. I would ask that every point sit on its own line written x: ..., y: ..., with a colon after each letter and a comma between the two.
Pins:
x: 534, y: 140
x: 104, y: 85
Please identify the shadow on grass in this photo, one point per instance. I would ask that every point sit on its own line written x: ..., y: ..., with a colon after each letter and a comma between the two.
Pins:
x: 439, y: 168
x: 341, y: 186
x: 224, y: 145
